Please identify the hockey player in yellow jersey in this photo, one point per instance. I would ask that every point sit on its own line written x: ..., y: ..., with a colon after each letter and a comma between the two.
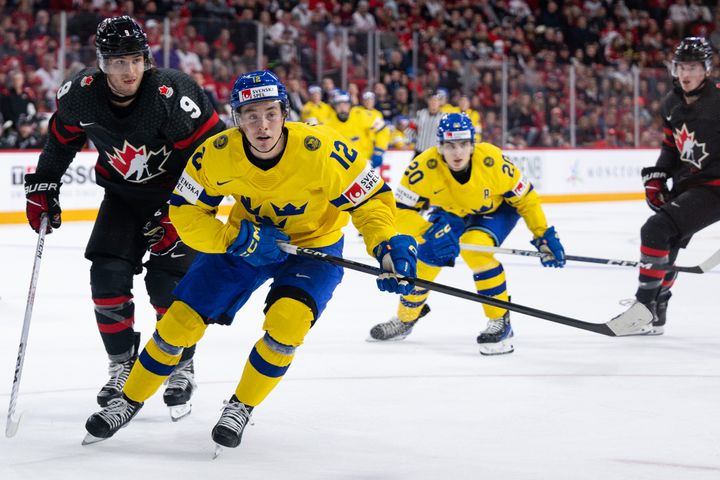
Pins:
x: 355, y: 124
x: 470, y: 193
x: 291, y: 182
x: 445, y: 105
x: 315, y: 111
x: 379, y: 134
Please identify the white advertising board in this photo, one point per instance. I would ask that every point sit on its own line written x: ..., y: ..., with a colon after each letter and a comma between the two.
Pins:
x: 553, y: 172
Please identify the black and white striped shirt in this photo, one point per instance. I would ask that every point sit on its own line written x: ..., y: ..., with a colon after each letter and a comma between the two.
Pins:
x: 427, y: 125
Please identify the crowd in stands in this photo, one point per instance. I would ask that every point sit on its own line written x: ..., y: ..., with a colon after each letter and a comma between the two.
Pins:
x: 460, y: 47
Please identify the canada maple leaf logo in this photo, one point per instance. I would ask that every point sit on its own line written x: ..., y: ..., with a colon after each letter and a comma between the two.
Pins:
x: 691, y: 151
x: 136, y: 164
x: 165, y: 91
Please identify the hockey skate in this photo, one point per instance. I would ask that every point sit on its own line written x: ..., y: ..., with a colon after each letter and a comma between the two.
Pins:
x: 105, y: 423
x: 636, y: 320
x: 119, y: 372
x: 395, y: 330
x: 496, y: 339
x: 660, y: 314
x: 180, y: 387
x: 233, y: 420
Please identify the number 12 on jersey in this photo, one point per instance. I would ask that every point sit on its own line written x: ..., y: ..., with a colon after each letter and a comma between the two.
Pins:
x: 348, y: 154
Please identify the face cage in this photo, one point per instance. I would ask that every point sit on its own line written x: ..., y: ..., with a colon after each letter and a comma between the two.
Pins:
x: 104, y: 66
x: 707, y: 62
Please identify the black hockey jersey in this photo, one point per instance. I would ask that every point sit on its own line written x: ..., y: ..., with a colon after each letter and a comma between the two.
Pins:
x: 143, y: 148
x: 691, y: 148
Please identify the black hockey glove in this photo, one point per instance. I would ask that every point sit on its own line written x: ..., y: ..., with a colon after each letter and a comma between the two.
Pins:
x: 42, y: 196
x: 656, y: 191
x: 160, y: 233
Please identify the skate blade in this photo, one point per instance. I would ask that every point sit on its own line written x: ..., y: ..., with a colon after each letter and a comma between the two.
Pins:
x: 637, y: 320
x: 90, y: 439
x: 379, y: 340
x: 500, y: 348
x: 178, y: 412
x: 218, y: 450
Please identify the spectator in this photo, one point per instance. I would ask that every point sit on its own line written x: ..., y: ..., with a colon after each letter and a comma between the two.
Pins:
x: 17, y: 100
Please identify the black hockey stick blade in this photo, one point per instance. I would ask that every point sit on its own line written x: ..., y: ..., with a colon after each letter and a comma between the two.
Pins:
x: 618, y: 326
x: 703, y: 267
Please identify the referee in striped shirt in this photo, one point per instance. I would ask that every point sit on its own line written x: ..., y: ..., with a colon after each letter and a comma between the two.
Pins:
x: 427, y: 122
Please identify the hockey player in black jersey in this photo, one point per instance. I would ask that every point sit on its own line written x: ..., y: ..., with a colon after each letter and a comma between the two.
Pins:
x: 145, y: 123
x: 690, y: 157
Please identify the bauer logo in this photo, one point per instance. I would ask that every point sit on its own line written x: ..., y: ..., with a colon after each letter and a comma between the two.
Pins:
x: 189, y: 188
x: 259, y: 92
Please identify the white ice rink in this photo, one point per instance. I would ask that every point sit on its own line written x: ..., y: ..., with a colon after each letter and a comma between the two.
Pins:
x: 568, y: 404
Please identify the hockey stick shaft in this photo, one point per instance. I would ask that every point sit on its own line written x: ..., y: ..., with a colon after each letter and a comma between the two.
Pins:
x: 12, y: 423
x: 601, y: 328
x: 705, y: 266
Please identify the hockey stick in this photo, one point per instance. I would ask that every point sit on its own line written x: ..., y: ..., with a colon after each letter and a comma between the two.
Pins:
x: 12, y: 422
x: 703, y: 267
x: 619, y: 326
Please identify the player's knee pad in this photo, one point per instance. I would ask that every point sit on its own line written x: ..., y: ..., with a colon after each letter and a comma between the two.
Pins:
x: 478, y: 261
x: 160, y: 285
x: 111, y: 277
x: 657, y: 231
x: 288, y: 320
x: 181, y: 326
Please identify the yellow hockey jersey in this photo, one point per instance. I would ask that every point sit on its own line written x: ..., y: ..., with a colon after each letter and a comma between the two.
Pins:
x: 316, y: 113
x: 428, y: 182
x: 358, y: 129
x: 378, y: 133
x: 308, y: 194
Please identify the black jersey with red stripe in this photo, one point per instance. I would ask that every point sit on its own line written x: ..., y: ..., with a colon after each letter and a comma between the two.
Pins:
x: 691, y: 147
x: 142, y: 148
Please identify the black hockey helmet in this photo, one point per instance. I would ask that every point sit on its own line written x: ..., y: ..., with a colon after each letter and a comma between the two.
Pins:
x: 693, y: 49
x: 118, y: 36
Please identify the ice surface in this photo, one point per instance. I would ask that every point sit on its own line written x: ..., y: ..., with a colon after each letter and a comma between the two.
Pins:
x: 568, y: 404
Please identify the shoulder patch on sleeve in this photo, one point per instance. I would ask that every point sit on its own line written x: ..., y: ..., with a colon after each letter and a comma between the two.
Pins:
x: 189, y: 188
x: 220, y: 142
x: 488, y: 161
x: 405, y: 196
x: 521, y: 186
x: 312, y: 143
x: 361, y: 188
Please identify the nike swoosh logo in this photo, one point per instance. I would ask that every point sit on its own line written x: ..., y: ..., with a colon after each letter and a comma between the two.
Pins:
x: 668, y: 118
x: 438, y: 191
x: 83, y: 124
x: 223, y: 183
x: 674, y: 204
x: 300, y: 275
x: 177, y: 255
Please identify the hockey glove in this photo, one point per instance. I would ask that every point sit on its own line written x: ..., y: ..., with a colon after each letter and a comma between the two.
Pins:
x: 656, y: 191
x: 398, y: 262
x: 551, y: 248
x: 377, y: 157
x: 257, y: 244
x: 442, y: 242
x: 42, y: 196
x: 160, y: 233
